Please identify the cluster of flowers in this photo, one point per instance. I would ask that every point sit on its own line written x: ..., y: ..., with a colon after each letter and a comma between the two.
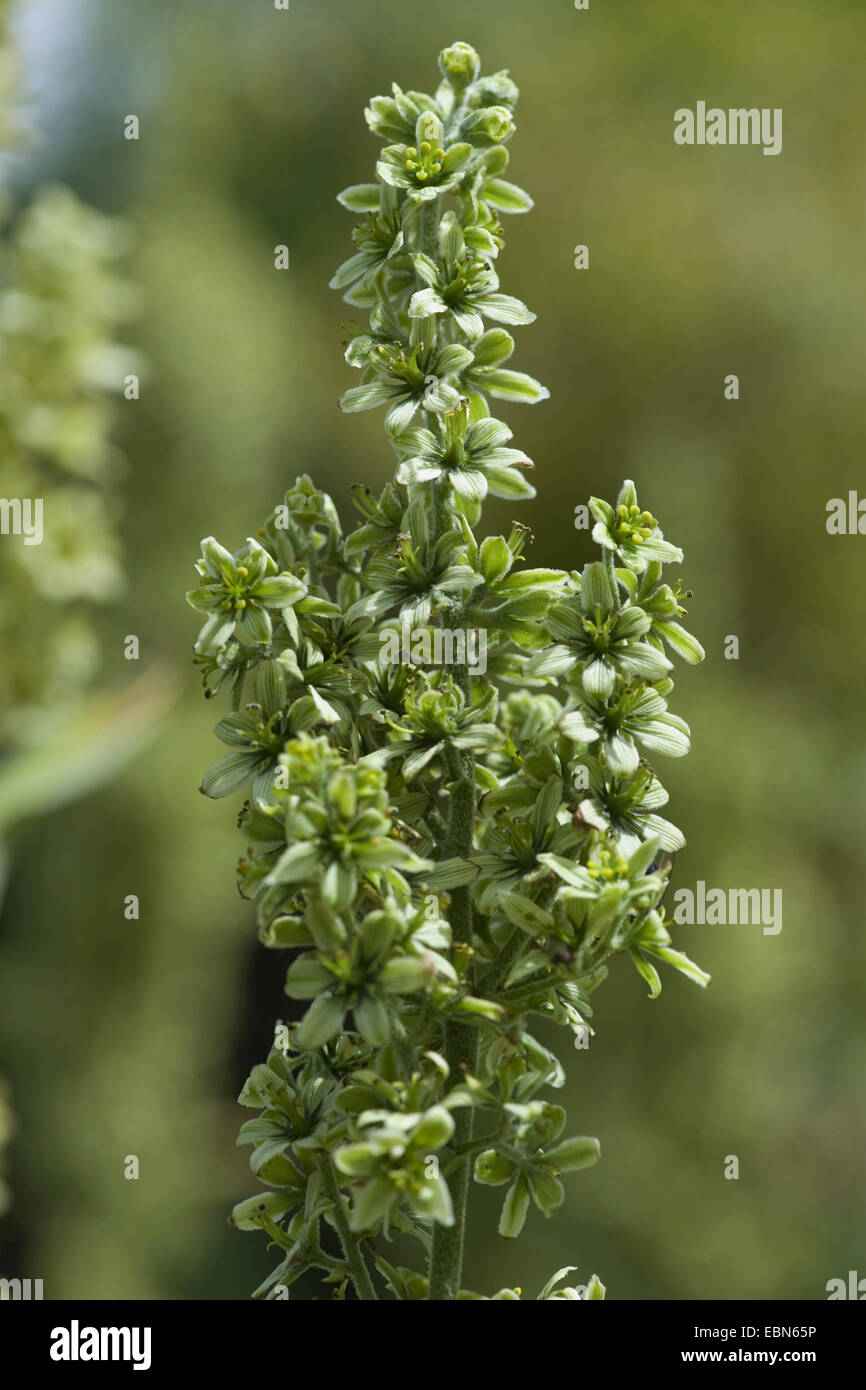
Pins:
x: 60, y: 300
x: 446, y: 856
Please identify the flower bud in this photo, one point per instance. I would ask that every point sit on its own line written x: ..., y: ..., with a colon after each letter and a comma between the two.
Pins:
x: 492, y: 125
x: 496, y: 90
x: 492, y: 1169
x: 460, y: 64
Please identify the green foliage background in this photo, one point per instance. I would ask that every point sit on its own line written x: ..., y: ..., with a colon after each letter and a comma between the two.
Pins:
x: 134, y: 1037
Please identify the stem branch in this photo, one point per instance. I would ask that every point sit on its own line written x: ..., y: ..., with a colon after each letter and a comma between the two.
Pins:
x: 350, y: 1242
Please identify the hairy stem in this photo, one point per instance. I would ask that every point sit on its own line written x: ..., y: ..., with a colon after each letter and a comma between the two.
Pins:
x: 460, y: 1043
x: 350, y: 1242
x: 508, y: 957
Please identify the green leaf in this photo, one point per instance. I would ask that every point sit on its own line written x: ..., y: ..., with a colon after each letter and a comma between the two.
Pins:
x: 307, y: 977
x: 509, y: 484
x: 493, y: 347
x: 298, y: 863
x: 507, y: 385
x: 504, y: 308
x: 573, y: 1154
x: 647, y: 972
x: 405, y: 974
x: 231, y: 773
x: 371, y: 1020
x: 371, y: 1203
x: 507, y: 197
x: 514, y: 1209
x: 493, y: 1169
x: 552, y: 1282
x: 250, y: 1214
x: 682, y: 642
x: 434, y: 1129
x: 679, y: 962
x: 548, y: 1193
x: 547, y: 804
x: 360, y: 197
x: 367, y: 397
x: 525, y: 913
x: 480, y: 1008
x: 254, y: 627
x: 322, y: 1021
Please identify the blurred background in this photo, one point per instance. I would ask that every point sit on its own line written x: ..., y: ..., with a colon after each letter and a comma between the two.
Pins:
x: 121, y: 1037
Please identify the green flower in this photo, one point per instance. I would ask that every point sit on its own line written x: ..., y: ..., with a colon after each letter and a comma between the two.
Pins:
x: 438, y: 716
x: 304, y: 531
x: 595, y: 1289
x: 337, y: 826
x: 406, y: 379
x: 488, y: 376
x: 633, y: 535
x: 292, y: 1114
x: 415, y: 581
x: 592, y: 631
x: 392, y: 1160
x: 363, y: 968
x: 626, y: 807
x: 238, y: 592
x: 634, y: 715
x: 379, y: 237
x: 258, y: 734
x: 473, y: 456
x: 425, y: 168
x: 530, y: 1160
x: 396, y: 117
x: 462, y: 286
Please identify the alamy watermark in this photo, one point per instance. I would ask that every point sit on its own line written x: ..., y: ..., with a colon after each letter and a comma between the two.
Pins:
x: 736, y: 126
x: 76, y: 1343
x: 718, y: 907
x: 438, y: 646
x: 20, y: 1290
x: 22, y: 516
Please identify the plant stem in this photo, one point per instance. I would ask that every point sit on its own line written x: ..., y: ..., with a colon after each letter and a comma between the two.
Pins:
x: 351, y: 1243
x: 431, y: 214
x: 460, y: 1044
x: 508, y: 957
x: 610, y: 570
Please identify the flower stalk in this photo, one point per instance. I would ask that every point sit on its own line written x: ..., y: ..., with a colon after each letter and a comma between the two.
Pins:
x: 445, y: 851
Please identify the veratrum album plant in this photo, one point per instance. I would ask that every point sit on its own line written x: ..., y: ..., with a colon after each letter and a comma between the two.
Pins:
x: 450, y: 848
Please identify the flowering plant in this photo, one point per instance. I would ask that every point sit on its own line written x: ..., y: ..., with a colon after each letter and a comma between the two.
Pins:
x: 445, y: 854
